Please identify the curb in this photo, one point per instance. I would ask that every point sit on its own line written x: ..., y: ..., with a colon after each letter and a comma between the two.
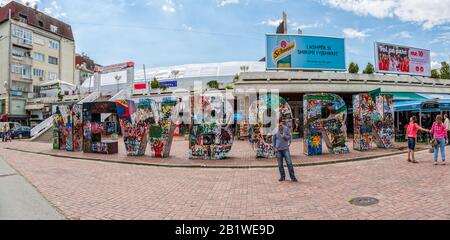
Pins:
x: 199, y: 166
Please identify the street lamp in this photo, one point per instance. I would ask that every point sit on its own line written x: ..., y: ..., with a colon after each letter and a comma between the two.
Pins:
x: 244, y: 68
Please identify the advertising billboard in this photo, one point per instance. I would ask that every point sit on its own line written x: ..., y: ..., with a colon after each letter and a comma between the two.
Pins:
x: 304, y: 52
x: 395, y: 59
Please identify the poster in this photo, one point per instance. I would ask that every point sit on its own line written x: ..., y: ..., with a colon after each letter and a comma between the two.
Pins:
x: 285, y: 51
x: 397, y: 59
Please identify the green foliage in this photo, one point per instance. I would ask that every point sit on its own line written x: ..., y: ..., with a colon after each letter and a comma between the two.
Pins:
x: 213, y: 84
x: 435, y: 74
x: 369, y: 69
x: 163, y: 87
x: 60, y: 96
x: 236, y: 78
x: 353, y: 68
x: 229, y: 86
x: 445, y: 70
x: 155, y: 83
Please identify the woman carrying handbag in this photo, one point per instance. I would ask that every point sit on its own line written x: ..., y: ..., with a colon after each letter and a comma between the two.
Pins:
x: 439, y: 133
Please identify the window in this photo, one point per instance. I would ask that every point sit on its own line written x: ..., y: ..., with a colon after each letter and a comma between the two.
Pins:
x: 53, y: 28
x: 17, y: 69
x: 39, y: 40
x: 53, y: 45
x: 39, y: 57
x: 52, y: 60
x: 25, y: 35
x: 52, y: 76
x: 38, y: 73
x: 41, y: 24
x: 24, y: 71
x: 23, y: 18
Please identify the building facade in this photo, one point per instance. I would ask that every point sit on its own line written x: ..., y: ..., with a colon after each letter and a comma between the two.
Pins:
x: 34, y: 49
x: 84, y: 68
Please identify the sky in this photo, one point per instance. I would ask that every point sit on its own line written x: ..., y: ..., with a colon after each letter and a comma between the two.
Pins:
x: 171, y: 32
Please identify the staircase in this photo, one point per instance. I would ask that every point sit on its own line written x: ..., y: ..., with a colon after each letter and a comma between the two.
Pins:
x: 42, y: 132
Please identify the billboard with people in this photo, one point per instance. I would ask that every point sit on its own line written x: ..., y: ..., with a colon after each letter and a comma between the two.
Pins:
x: 285, y: 51
x: 397, y: 59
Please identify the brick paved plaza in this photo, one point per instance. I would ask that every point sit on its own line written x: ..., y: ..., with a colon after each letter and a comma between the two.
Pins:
x: 98, y: 190
x: 241, y: 155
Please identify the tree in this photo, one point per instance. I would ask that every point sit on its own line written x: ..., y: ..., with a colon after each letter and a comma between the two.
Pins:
x: 229, y: 86
x: 163, y: 87
x: 236, y: 78
x: 435, y: 74
x: 369, y: 69
x: 155, y: 83
x: 353, y: 68
x: 213, y: 84
x: 445, y: 70
x: 60, y: 95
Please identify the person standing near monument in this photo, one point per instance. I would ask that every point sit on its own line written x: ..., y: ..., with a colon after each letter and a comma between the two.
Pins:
x: 439, y: 133
x: 281, y: 144
x: 411, y: 134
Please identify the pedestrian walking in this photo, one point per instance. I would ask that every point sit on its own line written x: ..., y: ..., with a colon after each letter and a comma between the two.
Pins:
x: 281, y: 144
x: 4, y: 133
x: 447, y: 125
x: 440, y: 135
x: 411, y: 134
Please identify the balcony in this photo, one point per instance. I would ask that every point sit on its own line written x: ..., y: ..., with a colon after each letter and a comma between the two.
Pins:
x: 20, y: 78
x: 23, y: 60
x: 21, y: 43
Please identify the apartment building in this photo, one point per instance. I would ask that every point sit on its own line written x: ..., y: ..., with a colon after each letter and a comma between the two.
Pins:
x: 34, y: 49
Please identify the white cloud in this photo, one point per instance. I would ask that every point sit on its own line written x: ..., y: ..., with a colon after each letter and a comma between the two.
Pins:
x: 296, y: 25
x: 168, y: 6
x: 443, y: 38
x: 55, y: 10
x: 186, y: 27
x: 428, y: 13
x: 403, y: 34
x: 223, y: 3
x: 435, y: 65
x: 352, y: 33
x: 272, y: 23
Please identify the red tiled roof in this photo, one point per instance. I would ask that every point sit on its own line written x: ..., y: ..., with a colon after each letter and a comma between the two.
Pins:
x: 33, y: 17
x: 90, y: 64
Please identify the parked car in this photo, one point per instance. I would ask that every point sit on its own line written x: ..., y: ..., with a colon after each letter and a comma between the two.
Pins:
x: 21, y: 132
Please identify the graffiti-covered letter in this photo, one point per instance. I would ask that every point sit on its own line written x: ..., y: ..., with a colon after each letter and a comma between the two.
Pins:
x: 325, y: 119
x: 373, y: 121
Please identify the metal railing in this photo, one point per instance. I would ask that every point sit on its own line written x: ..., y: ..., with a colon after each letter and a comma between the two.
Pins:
x: 120, y: 95
x: 42, y: 127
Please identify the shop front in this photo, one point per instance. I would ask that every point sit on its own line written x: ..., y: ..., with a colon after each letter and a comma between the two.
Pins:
x: 425, y: 107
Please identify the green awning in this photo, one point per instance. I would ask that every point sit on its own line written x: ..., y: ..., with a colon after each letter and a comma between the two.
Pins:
x: 406, y: 96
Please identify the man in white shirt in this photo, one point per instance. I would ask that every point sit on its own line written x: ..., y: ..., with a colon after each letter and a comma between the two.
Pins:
x: 447, y: 125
